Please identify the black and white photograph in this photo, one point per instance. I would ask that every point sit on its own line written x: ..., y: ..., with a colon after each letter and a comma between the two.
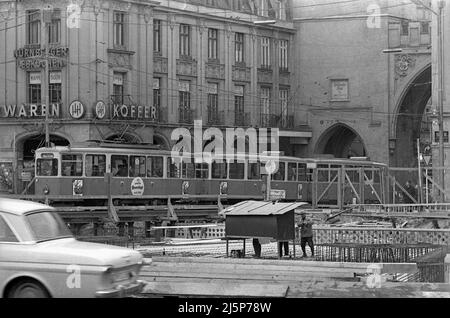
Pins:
x: 224, y: 156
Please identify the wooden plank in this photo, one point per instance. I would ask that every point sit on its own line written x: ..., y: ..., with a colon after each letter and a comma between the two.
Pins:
x: 255, y: 268
x: 300, y: 263
x: 223, y: 289
x: 245, y: 276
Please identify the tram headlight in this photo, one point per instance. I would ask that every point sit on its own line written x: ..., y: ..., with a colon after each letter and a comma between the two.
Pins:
x: 46, y: 190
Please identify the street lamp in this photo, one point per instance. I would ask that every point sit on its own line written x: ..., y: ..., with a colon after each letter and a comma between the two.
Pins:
x: 439, y: 15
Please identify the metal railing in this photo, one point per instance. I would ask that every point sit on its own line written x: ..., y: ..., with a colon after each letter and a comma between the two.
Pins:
x: 402, y: 208
x: 242, y: 119
x: 215, y: 117
x: 186, y: 115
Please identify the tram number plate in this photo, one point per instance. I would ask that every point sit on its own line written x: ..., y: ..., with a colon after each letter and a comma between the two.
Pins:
x: 277, y: 194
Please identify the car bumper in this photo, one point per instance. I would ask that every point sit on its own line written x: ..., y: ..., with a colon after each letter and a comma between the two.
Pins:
x: 121, y: 290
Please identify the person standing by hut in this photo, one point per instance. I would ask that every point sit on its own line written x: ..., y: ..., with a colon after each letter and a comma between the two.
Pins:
x: 306, y: 234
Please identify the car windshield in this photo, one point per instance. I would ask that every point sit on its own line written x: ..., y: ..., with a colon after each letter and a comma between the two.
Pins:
x: 47, y: 226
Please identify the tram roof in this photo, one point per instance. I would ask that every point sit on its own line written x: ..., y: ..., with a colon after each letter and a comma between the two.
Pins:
x: 142, y: 149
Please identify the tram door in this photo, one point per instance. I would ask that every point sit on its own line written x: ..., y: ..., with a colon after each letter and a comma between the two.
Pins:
x: 26, y: 162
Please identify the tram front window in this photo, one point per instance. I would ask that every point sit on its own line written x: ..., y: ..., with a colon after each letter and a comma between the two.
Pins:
x: 47, y: 167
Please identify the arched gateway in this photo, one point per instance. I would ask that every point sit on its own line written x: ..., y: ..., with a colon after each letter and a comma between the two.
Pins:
x: 410, y: 120
x: 341, y: 141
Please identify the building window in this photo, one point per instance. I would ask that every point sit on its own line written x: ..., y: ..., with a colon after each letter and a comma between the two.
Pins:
x: 263, y: 8
x: 282, y: 10
x: 283, y: 59
x: 239, y: 47
x: 184, y: 94
x: 284, y: 97
x: 265, y: 52
x: 436, y: 136
x: 157, y: 36
x: 265, y: 100
x: 34, y: 88
x: 185, y: 40
x: 54, y: 87
x: 33, y: 27
x: 239, y: 118
x: 339, y: 89
x: 54, y: 28
x: 425, y: 27
x: 118, y: 88
x: 157, y: 92
x: 212, y: 43
x: 404, y: 28
x: 119, y: 29
x: 213, y: 103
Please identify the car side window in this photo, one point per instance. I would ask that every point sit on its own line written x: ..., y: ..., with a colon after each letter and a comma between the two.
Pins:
x: 6, y: 234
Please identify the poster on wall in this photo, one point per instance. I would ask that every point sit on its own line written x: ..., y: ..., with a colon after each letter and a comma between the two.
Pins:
x: 6, y: 177
x: 339, y: 89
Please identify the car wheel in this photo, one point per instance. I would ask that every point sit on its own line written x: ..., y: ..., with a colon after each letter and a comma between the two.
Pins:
x: 28, y: 289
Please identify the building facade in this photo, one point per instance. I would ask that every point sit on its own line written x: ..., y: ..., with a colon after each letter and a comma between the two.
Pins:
x: 364, y: 70
x: 137, y: 70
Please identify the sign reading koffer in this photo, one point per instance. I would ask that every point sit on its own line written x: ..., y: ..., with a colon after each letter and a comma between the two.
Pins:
x: 134, y: 112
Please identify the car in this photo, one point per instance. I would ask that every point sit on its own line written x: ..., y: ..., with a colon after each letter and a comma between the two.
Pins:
x: 39, y: 258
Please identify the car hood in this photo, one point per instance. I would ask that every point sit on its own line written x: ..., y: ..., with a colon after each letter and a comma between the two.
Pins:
x: 72, y: 251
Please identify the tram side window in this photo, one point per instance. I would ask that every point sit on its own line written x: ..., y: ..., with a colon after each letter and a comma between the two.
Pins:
x: 279, y: 174
x: 47, y: 167
x: 155, y: 167
x: 119, y: 166
x: 188, y: 170
x: 173, y: 168
x: 71, y: 165
x: 95, y: 165
x: 137, y: 166
x: 219, y: 170
x: 237, y: 170
x: 201, y: 170
x: 253, y: 172
x: 301, y: 172
x: 292, y: 171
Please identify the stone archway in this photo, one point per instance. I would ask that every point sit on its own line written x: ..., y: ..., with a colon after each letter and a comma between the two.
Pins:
x: 161, y: 141
x: 408, y: 119
x: 341, y: 141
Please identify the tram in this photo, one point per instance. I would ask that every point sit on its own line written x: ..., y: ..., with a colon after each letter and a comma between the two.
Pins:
x: 89, y: 175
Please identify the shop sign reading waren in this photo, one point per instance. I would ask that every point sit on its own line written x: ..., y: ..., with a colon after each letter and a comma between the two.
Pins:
x: 29, y: 111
